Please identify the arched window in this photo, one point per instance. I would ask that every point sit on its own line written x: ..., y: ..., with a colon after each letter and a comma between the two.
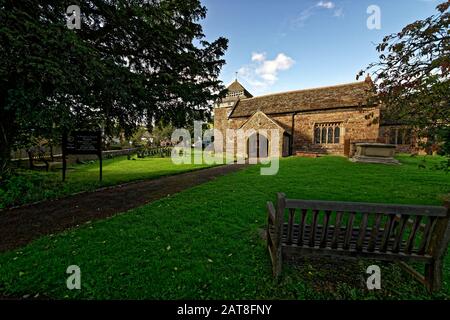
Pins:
x: 400, y: 136
x: 337, y: 134
x: 393, y: 136
x: 316, y: 135
x: 324, y: 135
x: 330, y: 135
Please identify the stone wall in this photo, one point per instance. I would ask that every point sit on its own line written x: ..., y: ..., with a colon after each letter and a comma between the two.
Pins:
x: 257, y: 122
x: 355, y: 125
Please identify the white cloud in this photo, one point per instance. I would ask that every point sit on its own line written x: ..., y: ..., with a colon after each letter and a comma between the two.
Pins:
x: 305, y: 14
x: 264, y: 73
x: 269, y: 68
x: 326, y: 4
x: 258, y: 56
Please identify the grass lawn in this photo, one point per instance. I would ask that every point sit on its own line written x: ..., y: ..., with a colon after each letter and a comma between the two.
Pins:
x: 29, y: 186
x: 205, y: 243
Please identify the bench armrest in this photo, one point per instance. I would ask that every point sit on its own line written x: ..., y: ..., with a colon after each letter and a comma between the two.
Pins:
x: 271, y: 212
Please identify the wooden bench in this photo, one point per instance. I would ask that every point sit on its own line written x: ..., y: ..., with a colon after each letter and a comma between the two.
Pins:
x: 39, y: 160
x: 398, y: 233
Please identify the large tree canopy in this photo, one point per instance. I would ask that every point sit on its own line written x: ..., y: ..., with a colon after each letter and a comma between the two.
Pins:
x: 412, y: 74
x: 131, y: 62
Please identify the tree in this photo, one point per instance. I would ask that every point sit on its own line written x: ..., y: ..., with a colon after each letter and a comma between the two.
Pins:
x: 161, y: 132
x: 412, y: 75
x: 132, y: 62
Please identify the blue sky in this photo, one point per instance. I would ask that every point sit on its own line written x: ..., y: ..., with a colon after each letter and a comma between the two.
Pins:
x: 280, y: 45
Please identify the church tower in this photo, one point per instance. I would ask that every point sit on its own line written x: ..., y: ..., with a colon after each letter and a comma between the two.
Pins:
x: 225, y: 106
x: 235, y: 92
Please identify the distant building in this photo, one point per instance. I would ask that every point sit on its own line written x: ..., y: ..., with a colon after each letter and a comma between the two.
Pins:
x: 327, y: 120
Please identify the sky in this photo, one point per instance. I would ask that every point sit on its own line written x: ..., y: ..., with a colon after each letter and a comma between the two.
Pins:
x: 282, y: 45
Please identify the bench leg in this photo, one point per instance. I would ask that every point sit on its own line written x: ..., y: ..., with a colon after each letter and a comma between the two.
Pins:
x: 275, y: 255
x: 276, y: 266
x: 433, y: 275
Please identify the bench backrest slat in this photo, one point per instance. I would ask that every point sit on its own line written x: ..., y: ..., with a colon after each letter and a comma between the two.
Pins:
x: 367, y: 207
x: 312, y: 236
x: 362, y: 232
x: 337, y: 230
x: 301, y: 230
x: 348, y: 234
x: 290, y: 224
x: 399, y: 237
x: 412, y: 236
x: 326, y: 222
x: 426, y: 235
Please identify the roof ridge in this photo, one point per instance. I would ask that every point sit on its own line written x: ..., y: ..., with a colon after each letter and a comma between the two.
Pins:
x: 265, y: 115
x: 308, y: 89
x: 235, y: 82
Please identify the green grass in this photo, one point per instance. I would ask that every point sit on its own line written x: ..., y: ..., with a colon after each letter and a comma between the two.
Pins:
x: 204, y: 243
x: 30, y: 186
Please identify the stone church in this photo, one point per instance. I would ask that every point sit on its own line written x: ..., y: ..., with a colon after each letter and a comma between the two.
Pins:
x: 310, y: 122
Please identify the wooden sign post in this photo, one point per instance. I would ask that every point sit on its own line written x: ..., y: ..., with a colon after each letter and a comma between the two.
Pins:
x: 82, y: 142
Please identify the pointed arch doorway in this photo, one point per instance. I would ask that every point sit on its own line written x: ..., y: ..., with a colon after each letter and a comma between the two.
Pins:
x: 257, y: 146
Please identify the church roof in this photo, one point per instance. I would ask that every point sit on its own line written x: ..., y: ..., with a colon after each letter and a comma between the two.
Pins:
x: 236, y: 86
x: 340, y: 96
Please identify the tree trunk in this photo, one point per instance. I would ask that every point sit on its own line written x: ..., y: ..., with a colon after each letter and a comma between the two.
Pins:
x: 5, y: 146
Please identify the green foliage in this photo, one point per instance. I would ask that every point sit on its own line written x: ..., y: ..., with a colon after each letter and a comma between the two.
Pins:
x: 131, y: 62
x: 162, y: 132
x: 26, y: 186
x: 204, y: 243
x: 443, y: 135
x: 412, y: 75
x: 136, y: 139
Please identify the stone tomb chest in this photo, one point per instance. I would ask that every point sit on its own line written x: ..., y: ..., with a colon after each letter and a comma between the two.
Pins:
x: 375, y: 153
